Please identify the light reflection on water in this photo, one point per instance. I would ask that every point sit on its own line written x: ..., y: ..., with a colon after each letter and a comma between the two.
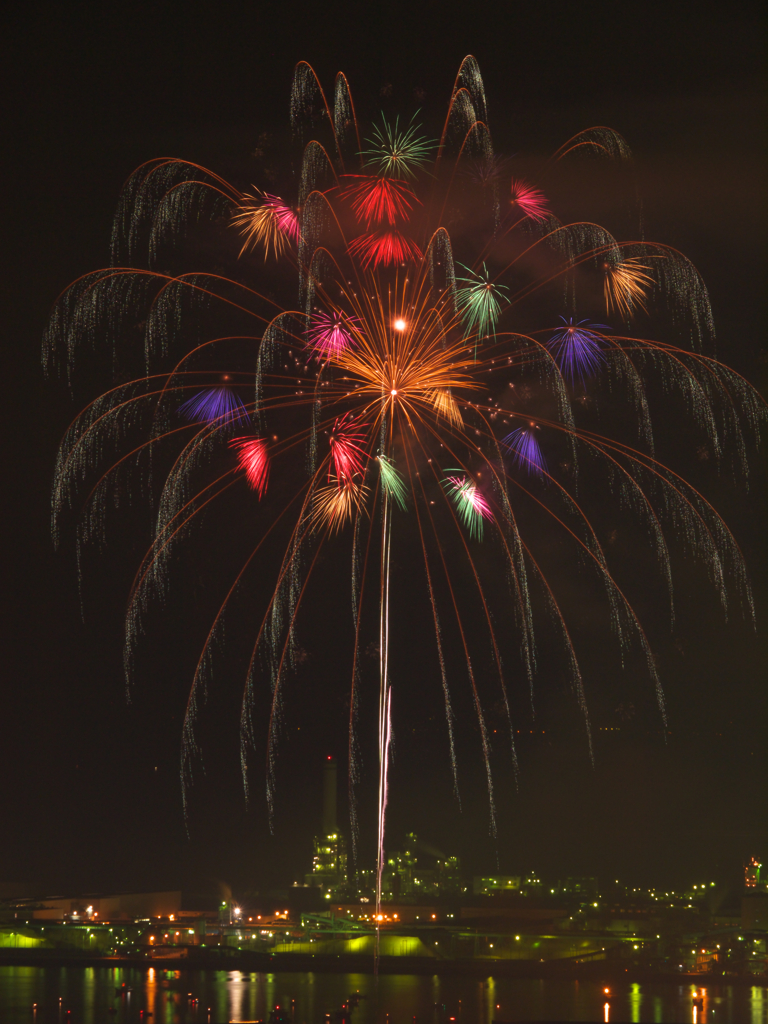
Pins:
x: 195, y: 997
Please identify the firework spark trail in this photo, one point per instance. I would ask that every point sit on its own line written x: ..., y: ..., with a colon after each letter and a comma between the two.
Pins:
x: 189, y: 744
x: 198, y: 680
x: 591, y: 544
x: 677, y: 485
x: 606, y: 140
x: 476, y: 140
x: 384, y: 694
x: 76, y: 462
x: 485, y: 743
x: 276, y: 707
x: 578, y: 682
x: 617, y: 597
x: 468, y: 80
x: 173, y: 502
x: 690, y: 386
x: 608, y: 247
x: 517, y: 569
x: 385, y: 704
x: 64, y: 319
x: 344, y: 114
x: 302, y: 528
x: 662, y: 551
x: 449, y: 716
x: 483, y: 511
x: 352, y: 746
x: 385, y: 747
x: 598, y: 558
x: 150, y: 571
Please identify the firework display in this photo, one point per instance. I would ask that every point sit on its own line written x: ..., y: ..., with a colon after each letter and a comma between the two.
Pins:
x: 400, y: 371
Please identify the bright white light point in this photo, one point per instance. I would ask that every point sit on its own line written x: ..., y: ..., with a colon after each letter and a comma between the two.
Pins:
x: 399, y: 325
x: 394, y: 392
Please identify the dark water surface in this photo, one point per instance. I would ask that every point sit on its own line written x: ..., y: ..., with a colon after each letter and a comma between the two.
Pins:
x: 86, y: 995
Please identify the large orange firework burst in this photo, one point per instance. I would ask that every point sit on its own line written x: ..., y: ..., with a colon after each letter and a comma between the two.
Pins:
x: 385, y: 399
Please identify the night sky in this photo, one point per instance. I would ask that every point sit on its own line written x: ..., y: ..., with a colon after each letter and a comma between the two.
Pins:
x: 89, y: 786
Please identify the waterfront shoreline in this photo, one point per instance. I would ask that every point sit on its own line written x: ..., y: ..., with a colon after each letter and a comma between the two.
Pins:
x: 607, y: 970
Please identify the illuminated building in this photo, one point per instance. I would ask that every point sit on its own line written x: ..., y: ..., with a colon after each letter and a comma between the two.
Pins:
x: 482, y: 886
x: 532, y: 884
x: 401, y: 873
x: 754, y: 902
x: 585, y: 887
x: 112, y: 907
x: 408, y: 876
x: 449, y: 876
x: 752, y: 874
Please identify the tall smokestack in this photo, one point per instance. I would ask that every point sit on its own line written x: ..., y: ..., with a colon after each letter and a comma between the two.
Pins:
x: 329, y: 797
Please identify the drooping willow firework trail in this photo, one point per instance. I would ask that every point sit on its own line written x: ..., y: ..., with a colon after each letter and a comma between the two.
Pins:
x: 333, y: 369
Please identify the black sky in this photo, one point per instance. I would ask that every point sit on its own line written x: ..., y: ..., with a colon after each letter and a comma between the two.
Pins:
x: 89, y: 789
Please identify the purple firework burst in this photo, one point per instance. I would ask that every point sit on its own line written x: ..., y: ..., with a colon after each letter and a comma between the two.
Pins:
x: 214, y: 405
x: 576, y: 348
x: 525, y: 449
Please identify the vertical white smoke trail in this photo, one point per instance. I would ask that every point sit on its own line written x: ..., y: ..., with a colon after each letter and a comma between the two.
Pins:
x: 385, y: 703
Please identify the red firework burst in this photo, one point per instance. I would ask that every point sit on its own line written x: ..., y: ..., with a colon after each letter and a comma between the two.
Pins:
x: 376, y: 200
x: 348, y: 456
x: 531, y: 201
x: 384, y: 248
x: 252, y: 457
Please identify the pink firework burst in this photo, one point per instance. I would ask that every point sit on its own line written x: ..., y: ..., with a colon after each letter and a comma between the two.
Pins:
x: 330, y: 334
x: 470, y: 503
x: 348, y: 457
x: 384, y: 247
x: 468, y: 492
x: 253, y: 459
x: 285, y: 218
x: 531, y: 201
